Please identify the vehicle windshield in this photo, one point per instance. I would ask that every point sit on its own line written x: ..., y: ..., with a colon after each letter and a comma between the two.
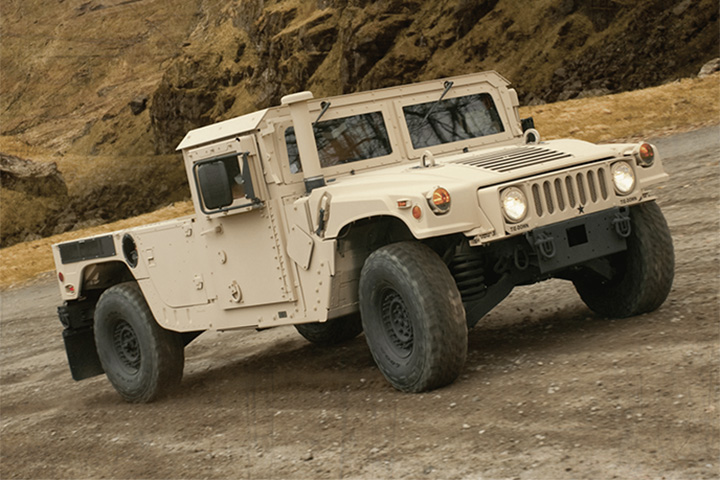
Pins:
x: 452, y: 120
x: 344, y: 140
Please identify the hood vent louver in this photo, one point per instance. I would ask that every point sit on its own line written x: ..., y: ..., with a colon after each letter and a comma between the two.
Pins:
x: 512, y: 159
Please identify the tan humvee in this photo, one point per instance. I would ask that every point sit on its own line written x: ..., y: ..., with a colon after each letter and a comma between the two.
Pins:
x: 407, y: 212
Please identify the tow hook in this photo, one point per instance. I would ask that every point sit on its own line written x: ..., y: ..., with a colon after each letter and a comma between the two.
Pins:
x: 622, y: 224
x: 545, y: 244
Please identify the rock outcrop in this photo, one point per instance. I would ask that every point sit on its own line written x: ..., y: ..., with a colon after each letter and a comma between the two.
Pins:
x: 33, y: 195
x: 32, y: 178
x: 258, y: 51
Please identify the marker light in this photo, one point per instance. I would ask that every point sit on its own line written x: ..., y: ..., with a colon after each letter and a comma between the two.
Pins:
x: 416, y: 212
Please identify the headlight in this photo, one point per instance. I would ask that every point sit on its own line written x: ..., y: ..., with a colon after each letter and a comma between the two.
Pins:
x: 623, y: 177
x: 514, y: 204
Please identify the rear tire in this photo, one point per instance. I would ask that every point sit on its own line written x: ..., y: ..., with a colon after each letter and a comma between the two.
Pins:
x: 413, y: 317
x: 332, y: 332
x: 142, y: 360
x: 643, y: 274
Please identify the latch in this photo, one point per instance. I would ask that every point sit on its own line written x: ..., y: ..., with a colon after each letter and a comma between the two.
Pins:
x: 323, y: 214
x: 216, y: 229
x: 235, y: 292
x: 150, y: 256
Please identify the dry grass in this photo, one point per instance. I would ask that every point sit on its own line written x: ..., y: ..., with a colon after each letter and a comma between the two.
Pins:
x: 657, y: 111
x: 680, y: 106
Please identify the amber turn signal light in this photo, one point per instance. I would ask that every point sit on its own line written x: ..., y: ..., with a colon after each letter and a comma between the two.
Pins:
x: 440, y: 201
x: 644, y: 155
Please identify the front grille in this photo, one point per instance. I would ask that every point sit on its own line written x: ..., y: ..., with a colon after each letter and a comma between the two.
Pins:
x: 570, y: 190
x: 512, y: 159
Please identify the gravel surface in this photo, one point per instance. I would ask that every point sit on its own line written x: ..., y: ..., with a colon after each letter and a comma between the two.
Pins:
x: 549, y: 391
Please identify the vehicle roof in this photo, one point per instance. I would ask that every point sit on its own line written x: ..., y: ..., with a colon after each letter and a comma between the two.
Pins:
x: 224, y: 129
x: 251, y: 121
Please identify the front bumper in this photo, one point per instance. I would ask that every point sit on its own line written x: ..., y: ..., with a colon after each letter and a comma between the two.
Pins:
x: 581, y: 239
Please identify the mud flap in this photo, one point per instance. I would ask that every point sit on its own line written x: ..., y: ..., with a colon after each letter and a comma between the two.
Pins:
x: 81, y: 353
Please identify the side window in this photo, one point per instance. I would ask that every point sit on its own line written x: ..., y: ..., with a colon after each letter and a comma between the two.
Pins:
x: 292, y: 150
x: 344, y: 140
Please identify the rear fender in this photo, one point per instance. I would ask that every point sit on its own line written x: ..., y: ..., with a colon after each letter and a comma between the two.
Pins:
x: 77, y: 317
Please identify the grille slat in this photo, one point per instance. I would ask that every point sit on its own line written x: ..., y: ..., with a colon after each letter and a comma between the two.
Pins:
x: 548, y: 197
x: 537, y: 200
x: 591, y: 184
x: 582, y: 188
x: 560, y: 194
x: 571, y: 190
x: 603, y: 185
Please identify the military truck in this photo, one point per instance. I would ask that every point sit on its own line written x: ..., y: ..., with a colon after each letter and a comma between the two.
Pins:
x: 406, y: 213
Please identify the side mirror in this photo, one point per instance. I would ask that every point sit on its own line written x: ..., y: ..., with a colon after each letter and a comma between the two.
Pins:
x: 214, y: 185
x: 224, y: 184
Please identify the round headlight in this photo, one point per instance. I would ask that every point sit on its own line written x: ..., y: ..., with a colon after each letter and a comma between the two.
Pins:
x: 623, y: 178
x: 514, y: 204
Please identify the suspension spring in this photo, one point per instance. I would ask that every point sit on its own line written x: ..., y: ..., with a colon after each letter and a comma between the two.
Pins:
x: 469, y: 274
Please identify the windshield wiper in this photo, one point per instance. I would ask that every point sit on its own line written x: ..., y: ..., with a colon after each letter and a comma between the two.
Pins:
x: 448, y: 85
x: 325, y: 106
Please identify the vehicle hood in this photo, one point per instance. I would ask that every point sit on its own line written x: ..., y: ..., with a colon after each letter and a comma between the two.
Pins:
x: 379, y: 191
x: 489, y: 166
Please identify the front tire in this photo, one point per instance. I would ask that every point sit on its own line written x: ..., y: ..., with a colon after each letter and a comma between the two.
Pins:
x: 413, y: 317
x: 642, y: 274
x: 142, y: 360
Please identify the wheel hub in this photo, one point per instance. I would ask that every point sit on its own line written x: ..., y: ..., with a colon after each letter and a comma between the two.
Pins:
x: 126, y: 345
x: 396, y: 321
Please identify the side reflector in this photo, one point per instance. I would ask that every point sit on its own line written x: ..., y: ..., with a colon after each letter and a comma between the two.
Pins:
x: 417, y: 212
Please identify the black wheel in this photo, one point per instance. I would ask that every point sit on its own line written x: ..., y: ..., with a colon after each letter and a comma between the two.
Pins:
x: 642, y: 275
x: 413, y: 317
x: 332, y: 332
x: 141, y: 359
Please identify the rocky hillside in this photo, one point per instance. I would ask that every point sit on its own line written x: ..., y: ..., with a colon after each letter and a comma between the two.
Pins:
x: 123, y: 80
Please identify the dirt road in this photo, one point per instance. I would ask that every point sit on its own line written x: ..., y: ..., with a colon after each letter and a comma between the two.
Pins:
x: 549, y: 391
